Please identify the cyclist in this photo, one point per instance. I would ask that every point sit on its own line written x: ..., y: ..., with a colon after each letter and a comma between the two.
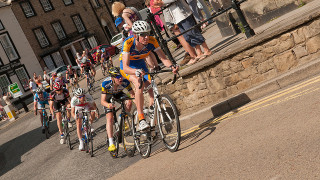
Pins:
x: 39, y: 101
x: 133, y: 67
x: 71, y: 75
x: 106, y: 59
x: 58, y: 98
x: 82, y: 100
x: 98, y: 56
x: 113, y: 87
x: 87, y: 67
x: 62, y: 80
x: 52, y: 80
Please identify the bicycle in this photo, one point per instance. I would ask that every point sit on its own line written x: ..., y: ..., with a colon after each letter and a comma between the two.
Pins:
x: 167, y: 120
x: 122, y: 128
x: 45, y: 121
x: 86, y: 131
x: 90, y: 82
x: 65, y: 125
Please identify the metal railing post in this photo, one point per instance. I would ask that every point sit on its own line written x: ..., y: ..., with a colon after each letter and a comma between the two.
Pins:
x: 162, y: 41
x: 248, y: 30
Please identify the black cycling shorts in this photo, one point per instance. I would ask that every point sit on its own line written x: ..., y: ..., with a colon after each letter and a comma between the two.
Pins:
x: 116, y: 96
x: 58, y: 104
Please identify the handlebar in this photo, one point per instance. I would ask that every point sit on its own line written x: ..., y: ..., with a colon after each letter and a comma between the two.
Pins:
x: 157, y: 72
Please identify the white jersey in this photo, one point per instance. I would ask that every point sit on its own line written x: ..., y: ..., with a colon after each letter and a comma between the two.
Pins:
x: 75, y: 102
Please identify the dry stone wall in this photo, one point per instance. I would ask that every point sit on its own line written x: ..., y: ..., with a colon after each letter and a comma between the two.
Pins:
x: 246, y: 69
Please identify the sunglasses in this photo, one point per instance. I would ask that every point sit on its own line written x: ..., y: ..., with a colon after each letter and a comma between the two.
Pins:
x: 144, y: 34
x: 81, y: 96
x: 118, y: 77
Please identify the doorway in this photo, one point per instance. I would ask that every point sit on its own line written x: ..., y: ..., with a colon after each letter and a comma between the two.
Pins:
x: 71, y: 57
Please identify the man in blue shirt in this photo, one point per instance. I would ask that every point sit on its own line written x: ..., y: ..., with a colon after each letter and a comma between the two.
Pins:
x: 40, y: 100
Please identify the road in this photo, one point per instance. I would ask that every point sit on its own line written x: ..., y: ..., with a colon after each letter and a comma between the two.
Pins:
x: 276, y: 137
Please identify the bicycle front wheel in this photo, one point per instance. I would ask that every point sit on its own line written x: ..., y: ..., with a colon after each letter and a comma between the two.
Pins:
x: 169, y: 123
x: 46, y: 127
x: 127, y: 137
x: 90, y: 138
x: 67, y: 134
x: 142, y: 139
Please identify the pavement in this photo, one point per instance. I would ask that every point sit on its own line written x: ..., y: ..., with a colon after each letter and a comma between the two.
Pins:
x: 224, y: 46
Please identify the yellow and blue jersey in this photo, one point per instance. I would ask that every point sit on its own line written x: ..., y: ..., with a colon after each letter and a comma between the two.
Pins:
x: 107, y: 85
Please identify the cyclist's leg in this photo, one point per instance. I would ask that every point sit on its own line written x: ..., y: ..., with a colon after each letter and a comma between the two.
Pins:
x: 150, y: 92
x: 40, y: 113
x: 57, y: 108
x: 79, y: 124
x: 68, y: 105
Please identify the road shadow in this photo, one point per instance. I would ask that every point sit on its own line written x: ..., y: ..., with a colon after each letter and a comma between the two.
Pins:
x: 12, y: 151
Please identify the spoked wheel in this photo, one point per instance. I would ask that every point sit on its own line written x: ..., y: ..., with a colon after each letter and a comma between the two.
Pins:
x: 68, y: 141
x: 47, y: 129
x: 169, y: 123
x: 128, y: 140
x: 142, y: 139
x: 90, y: 139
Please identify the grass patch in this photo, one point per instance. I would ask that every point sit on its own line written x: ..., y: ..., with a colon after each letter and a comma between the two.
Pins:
x: 301, y: 3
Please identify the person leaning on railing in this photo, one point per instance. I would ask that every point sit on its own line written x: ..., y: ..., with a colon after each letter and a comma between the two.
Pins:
x: 182, y: 16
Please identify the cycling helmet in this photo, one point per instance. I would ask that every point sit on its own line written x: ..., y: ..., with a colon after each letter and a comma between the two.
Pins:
x: 140, y: 27
x: 59, y: 74
x: 57, y: 86
x: 114, y: 71
x: 69, y: 66
x: 54, y: 74
x: 78, y: 92
x: 39, y: 90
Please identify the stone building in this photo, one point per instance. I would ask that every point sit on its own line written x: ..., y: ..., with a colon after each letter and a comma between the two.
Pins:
x: 58, y: 29
x: 17, y: 59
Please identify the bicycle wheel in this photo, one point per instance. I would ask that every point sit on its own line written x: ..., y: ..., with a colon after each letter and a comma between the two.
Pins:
x: 127, y: 137
x: 90, y: 139
x: 142, y: 139
x: 67, y: 133
x: 46, y: 127
x: 169, y: 123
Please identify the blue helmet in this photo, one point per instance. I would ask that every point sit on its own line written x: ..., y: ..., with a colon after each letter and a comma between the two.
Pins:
x: 118, y: 21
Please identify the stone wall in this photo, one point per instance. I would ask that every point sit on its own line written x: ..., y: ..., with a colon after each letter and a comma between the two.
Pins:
x: 262, y: 61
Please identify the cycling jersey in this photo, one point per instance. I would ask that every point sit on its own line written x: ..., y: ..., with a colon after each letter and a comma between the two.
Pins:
x: 107, y: 85
x: 41, y: 101
x: 137, y: 57
x: 59, y: 97
x: 62, y: 80
x: 86, y: 66
x: 71, y: 73
x: 76, y: 102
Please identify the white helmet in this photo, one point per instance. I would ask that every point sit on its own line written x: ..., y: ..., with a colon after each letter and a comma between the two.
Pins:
x: 84, y: 59
x: 78, y: 92
x: 59, y: 74
x: 140, y: 27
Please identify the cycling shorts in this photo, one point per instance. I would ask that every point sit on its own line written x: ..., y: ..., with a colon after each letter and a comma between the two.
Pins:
x: 136, y: 64
x: 58, y: 104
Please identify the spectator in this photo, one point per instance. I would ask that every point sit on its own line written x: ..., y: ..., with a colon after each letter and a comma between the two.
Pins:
x: 89, y: 56
x: 46, y: 77
x: 182, y: 16
x: 78, y: 59
x: 32, y: 86
x: 129, y: 14
x: 6, y: 97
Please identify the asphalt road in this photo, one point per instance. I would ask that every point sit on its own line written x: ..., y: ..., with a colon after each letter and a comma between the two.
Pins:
x: 276, y: 137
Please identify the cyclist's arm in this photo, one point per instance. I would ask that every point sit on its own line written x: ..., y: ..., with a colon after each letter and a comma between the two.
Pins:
x: 35, y: 106
x: 125, y: 62
x: 165, y: 60
x: 104, y: 101
x: 131, y: 92
x: 73, y: 114
x: 67, y: 76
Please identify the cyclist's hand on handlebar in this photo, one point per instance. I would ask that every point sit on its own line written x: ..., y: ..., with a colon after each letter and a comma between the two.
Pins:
x: 139, y: 72
x: 175, y: 69
x: 110, y: 106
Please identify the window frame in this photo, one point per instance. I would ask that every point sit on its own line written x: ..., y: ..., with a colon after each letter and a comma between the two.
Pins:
x: 34, y: 32
x: 13, y: 46
x: 97, y: 3
x: 28, y: 77
x: 68, y: 4
x: 65, y: 34
x: 78, y: 15
x: 49, y: 1
x: 27, y: 2
x: 9, y: 80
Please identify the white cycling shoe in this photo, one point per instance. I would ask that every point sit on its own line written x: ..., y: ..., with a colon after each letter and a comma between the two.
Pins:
x: 62, y: 139
x: 81, y: 145
x: 143, y: 125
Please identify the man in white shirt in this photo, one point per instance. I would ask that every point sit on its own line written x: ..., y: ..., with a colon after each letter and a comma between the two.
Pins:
x: 32, y: 86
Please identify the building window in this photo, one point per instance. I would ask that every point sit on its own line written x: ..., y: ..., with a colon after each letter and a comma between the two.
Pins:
x: 59, y: 30
x: 57, y: 59
x: 23, y: 77
x: 8, y: 47
x: 49, y: 62
x: 97, y: 3
x: 79, y: 24
x: 46, y: 5
x: 92, y: 41
x: 41, y: 37
x: 67, y: 2
x: 85, y: 44
x: 1, y: 26
x: 27, y: 9
x: 53, y: 60
x: 4, y: 83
